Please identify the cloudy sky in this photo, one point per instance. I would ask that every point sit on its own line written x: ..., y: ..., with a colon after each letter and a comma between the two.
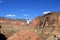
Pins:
x: 27, y: 8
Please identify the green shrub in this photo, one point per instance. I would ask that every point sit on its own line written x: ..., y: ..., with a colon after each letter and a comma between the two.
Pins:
x: 58, y: 38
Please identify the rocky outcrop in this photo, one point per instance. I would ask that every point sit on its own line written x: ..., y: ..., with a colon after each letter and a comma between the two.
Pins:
x: 10, y: 26
x: 52, y: 18
x: 12, y: 21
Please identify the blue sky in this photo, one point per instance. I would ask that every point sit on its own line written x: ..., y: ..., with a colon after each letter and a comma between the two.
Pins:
x: 27, y: 8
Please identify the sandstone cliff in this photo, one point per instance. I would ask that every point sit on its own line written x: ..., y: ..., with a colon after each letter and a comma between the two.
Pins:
x: 52, y: 18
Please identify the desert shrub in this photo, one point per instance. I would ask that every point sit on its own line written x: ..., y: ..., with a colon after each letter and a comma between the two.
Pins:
x: 58, y: 39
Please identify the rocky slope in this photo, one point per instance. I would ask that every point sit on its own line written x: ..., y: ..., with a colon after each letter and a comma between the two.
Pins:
x: 10, y: 26
x: 25, y: 35
x: 46, y: 27
x: 50, y: 25
x: 52, y: 18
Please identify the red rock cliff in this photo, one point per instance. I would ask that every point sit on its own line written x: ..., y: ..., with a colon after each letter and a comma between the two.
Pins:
x: 52, y: 18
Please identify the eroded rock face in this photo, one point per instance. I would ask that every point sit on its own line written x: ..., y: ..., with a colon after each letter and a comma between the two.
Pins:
x: 10, y: 26
x: 56, y: 31
x: 58, y: 20
x: 12, y: 22
x: 52, y: 18
x: 25, y: 35
x: 37, y: 21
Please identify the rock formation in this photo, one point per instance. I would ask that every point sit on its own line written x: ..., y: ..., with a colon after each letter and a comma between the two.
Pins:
x: 10, y: 26
x: 52, y: 18
x: 46, y: 27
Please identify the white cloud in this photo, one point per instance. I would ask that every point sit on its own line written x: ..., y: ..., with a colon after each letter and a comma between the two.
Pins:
x: 26, y: 15
x: 46, y: 12
x: 10, y: 15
